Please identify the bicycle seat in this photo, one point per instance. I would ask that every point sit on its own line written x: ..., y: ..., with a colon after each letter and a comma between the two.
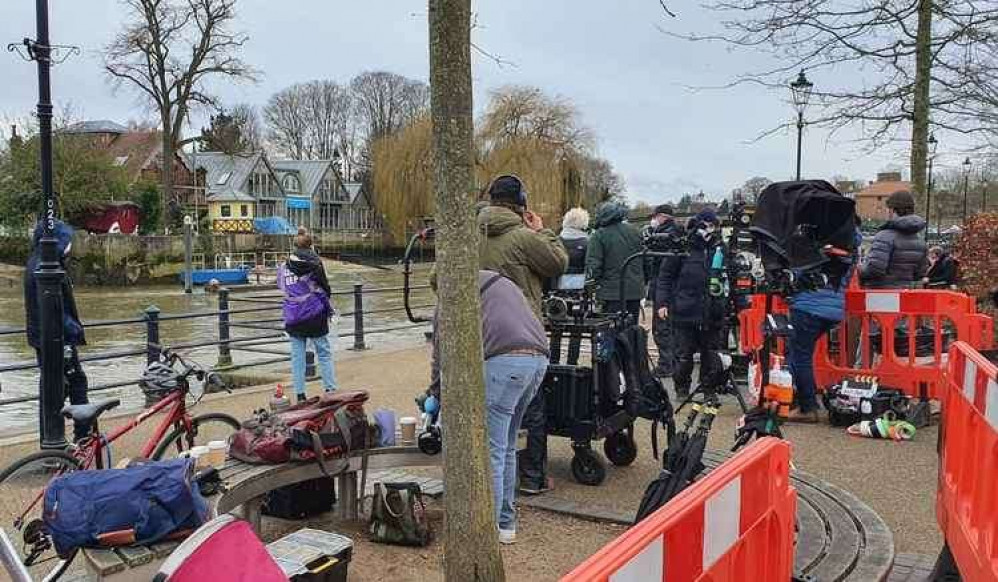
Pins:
x: 86, y: 414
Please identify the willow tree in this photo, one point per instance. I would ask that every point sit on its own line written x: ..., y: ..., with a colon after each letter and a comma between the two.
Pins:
x: 403, y: 176
x: 471, y: 548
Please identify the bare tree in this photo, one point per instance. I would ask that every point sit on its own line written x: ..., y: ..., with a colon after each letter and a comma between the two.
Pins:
x: 167, y: 51
x: 235, y: 131
x: 901, y: 60
x: 386, y: 102
x: 471, y: 550
x: 309, y: 120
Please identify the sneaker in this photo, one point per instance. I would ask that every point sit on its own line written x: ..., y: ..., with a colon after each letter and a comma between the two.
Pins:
x: 507, y: 536
x: 537, y: 490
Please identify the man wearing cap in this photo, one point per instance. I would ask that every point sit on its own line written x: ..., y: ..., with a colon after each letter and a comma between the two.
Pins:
x: 515, y: 244
x: 661, y: 223
x: 897, y: 257
x: 683, y: 295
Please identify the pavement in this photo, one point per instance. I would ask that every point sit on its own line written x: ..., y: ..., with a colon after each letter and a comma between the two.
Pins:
x: 897, y: 480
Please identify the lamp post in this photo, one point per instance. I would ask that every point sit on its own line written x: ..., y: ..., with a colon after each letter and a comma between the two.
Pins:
x: 966, y: 186
x: 933, y: 144
x: 800, y: 90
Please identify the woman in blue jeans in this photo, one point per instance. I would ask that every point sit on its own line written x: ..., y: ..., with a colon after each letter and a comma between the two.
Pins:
x: 516, y: 358
x: 306, y: 312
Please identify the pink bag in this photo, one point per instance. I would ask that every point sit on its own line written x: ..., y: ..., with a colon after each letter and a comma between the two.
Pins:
x: 223, y: 550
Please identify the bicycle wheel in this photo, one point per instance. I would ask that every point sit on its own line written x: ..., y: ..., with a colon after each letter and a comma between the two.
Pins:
x: 213, y: 426
x: 22, y: 490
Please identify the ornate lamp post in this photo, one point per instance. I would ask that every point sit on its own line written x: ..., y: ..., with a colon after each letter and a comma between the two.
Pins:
x: 933, y: 144
x: 800, y: 89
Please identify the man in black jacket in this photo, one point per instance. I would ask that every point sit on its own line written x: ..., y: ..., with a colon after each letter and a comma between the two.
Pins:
x: 897, y: 257
x: 73, y: 335
x: 685, y: 296
x: 943, y: 269
x: 662, y: 223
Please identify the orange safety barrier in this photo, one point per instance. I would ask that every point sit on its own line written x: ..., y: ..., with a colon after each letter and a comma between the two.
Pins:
x: 735, y: 524
x: 967, y: 499
x: 915, y: 366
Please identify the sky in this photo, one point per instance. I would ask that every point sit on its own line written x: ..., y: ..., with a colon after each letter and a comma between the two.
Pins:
x: 631, y: 83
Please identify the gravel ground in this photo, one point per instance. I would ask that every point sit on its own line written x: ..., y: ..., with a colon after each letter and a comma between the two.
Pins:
x: 898, y: 480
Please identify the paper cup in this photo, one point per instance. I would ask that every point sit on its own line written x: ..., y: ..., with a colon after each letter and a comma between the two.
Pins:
x: 408, y: 425
x: 216, y: 453
x: 200, y: 454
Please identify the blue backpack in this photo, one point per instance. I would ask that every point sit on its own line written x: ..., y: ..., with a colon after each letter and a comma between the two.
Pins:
x: 115, y: 507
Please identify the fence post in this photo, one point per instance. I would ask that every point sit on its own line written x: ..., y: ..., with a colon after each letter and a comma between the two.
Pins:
x: 224, y: 352
x: 152, y: 334
x: 358, y: 317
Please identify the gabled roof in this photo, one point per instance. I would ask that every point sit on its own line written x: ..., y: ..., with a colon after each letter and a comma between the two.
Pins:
x: 310, y: 172
x: 354, y: 189
x: 133, y: 151
x: 225, y: 174
x: 95, y: 126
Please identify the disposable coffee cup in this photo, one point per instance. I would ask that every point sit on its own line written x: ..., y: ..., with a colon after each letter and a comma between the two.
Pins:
x: 200, y: 456
x: 216, y: 453
x: 408, y: 425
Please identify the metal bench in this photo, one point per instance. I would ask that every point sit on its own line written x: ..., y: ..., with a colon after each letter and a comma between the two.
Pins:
x: 245, y: 486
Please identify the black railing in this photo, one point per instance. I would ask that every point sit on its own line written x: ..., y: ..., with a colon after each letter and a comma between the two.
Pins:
x: 153, y: 319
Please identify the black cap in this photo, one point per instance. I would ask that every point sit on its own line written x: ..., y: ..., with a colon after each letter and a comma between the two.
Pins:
x: 508, y: 189
x: 665, y: 209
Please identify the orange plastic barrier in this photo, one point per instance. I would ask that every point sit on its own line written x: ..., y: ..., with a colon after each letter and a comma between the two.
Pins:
x: 735, y: 524
x: 967, y: 499
x: 910, y: 366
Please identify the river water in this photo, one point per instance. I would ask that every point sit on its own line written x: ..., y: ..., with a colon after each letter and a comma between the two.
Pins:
x: 102, y: 303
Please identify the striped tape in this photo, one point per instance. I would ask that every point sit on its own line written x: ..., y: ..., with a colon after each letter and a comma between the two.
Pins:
x: 721, y: 530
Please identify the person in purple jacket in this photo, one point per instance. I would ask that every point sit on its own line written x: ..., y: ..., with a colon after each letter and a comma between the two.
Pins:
x: 516, y: 358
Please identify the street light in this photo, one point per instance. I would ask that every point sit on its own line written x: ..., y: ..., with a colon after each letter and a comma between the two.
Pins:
x: 800, y: 89
x: 933, y: 144
x: 966, y: 186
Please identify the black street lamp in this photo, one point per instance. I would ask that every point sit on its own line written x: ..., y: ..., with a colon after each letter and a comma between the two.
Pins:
x: 933, y: 144
x: 49, y: 274
x: 800, y: 89
x: 966, y: 186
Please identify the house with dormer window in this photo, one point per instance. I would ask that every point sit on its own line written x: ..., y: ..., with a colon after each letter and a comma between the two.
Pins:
x: 238, y: 188
x: 318, y: 199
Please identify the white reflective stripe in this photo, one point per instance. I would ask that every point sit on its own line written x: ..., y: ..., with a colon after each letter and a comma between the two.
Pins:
x: 722, y: 516
x: 969, y: 379
x: 883, y: 302
x: 647, y: 566
x: 991, y: 403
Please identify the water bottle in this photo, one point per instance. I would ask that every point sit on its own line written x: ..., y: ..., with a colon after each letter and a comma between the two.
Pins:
x: 279, y: 401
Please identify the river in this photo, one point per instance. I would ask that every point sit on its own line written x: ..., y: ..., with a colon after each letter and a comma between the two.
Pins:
x: 102, y: 303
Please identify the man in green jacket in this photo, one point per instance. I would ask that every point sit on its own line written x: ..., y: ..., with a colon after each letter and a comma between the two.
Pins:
x: 614, y: 240
x: 515, y: 244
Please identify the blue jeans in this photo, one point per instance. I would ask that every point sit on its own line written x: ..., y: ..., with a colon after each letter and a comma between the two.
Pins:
x: 323, y: 353
x: 510, y: 384
x: 807, y: 329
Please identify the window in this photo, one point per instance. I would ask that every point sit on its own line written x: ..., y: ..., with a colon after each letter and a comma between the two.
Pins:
x: 291, y: 183
x: 226, y: 211
x: 243, y: 210
x: 223, y: 178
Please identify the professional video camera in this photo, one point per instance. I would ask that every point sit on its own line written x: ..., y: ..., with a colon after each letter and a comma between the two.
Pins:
x: 673, y: 243
x: 570, y: 297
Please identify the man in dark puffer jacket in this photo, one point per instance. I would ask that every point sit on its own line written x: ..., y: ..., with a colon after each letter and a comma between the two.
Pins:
x: 897, y: 257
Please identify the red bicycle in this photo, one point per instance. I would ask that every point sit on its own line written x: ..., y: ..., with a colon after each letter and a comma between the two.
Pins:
x: 23, y: 483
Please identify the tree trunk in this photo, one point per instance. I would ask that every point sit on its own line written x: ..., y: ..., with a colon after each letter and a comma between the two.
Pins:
x: 166, y: 171
x: 920, y: 115
x: 471, y: 549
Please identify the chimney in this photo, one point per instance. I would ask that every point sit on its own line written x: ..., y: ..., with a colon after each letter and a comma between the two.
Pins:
x: 889, y: 176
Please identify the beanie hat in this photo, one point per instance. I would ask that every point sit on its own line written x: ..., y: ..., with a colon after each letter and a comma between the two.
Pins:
x: 665, y: 209
x: 901, y: 200
x: 706, y: 215
x: 508, y: 189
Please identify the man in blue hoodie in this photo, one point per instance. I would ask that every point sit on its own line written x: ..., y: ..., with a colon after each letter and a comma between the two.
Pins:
x: 812, y: 314
x: 73, y: 336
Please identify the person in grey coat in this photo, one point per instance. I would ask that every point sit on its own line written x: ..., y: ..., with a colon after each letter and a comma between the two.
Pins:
x: 898, y: 256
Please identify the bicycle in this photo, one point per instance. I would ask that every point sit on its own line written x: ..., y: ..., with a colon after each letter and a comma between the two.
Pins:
x: 23, y: 483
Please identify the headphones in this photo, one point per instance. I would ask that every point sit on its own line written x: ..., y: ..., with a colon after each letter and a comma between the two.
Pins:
x: 519, y: 199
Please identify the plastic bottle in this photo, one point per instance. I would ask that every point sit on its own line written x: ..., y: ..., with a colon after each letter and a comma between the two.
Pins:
x: 279, y: 401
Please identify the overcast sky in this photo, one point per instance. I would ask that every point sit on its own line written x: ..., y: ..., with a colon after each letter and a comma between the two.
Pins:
x: 629, y: 81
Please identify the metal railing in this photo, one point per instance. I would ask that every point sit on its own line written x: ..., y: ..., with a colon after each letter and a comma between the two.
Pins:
x: 264, y: 311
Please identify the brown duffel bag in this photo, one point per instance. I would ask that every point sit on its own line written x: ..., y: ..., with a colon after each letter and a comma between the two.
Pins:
x: 323, y: 427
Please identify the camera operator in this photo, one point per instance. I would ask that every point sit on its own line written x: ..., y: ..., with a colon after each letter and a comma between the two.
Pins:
x: 615, y: 239
x: 662, y: 223
x: 813, y: 312
x: 515, y: 244
x: 686, y: 294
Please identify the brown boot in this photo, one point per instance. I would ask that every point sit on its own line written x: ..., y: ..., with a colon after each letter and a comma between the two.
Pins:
x: 810, y: 417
